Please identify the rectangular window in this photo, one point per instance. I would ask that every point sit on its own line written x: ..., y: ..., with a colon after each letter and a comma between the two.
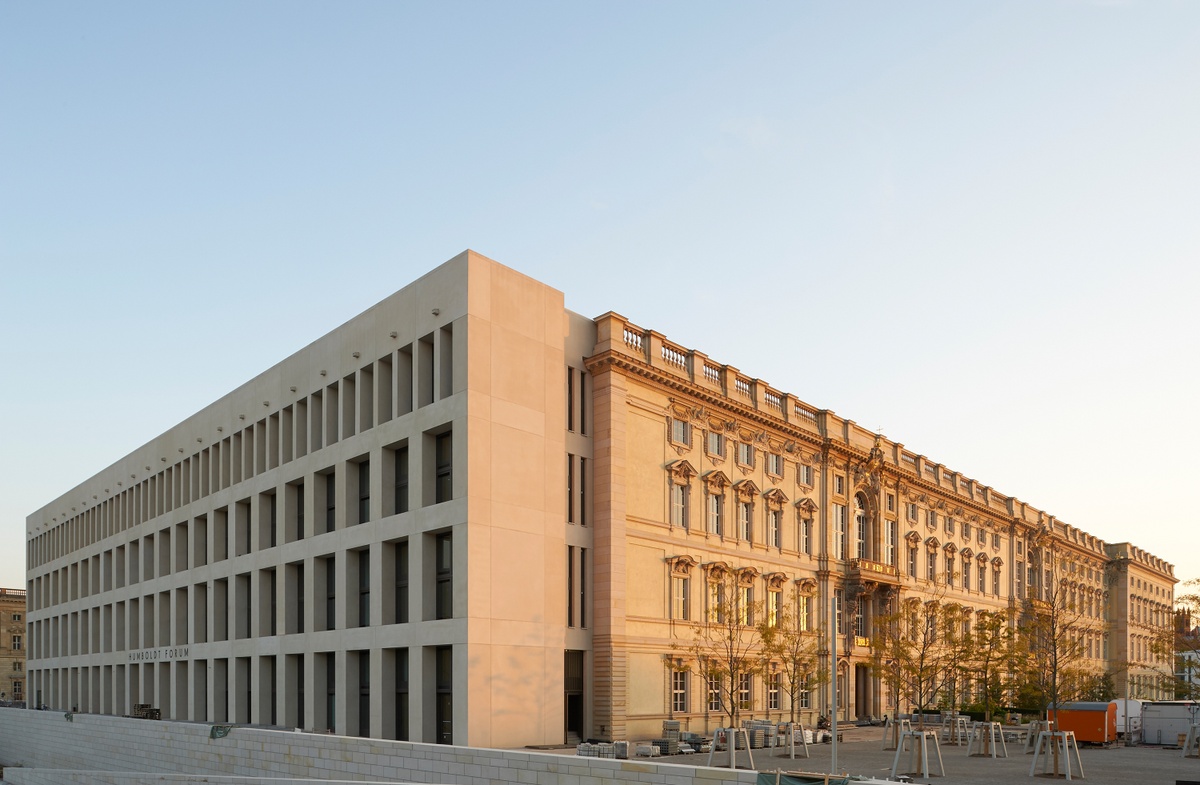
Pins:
x: 804, y: 535
x: 444, y: 459
x: 716, y: 514
x: 996, y: 541
x: 330, y: 502
x: 570, y: 585
x: 400, y: 481
x: 444, y: 690
x: 1019, y: 578
x: 891, y: 502
x: 775, y: 464
x: 889, y: 543
x: 679, y: 691
x: 966, y: 573
x: 911, y: 511
x: 839, y: 484
x: 931, y: 565
x: 804, y: 613
x: 679, y: 505
x: 745, y: 454
x: 746, y: 605
x: 364, y: 588
x: 583, y: 598
x: 931, y: 519
x: 746, y: 691
x: 982, y: 578
x: 401, y: 567
x: 949, y: 570
x: 837, y: 606
x: 364, y: 693
x: 839, y: 531
x: 804, y: 474
x: 716, y: 602
x: 714, y: 693
x: 401, y: 694
x: 716, y: 444
x: 949, y: 525
x: 912, y: 562
x: 966, y: 530
x: 996, y: 585
x: 860, y: 536
x: 775, y: 528
x: 16, y: 643
x: 681, y: 588
x: 444, y: 598
x: 570, y: 488
x: 746, y: 521
x: 364, y: 491
x: 681, y: 432
x: 583, y: 503
x: 773, y: 606
x: 570, y: 399
x: 330, y: 593
x: 299, y: 490
x: 805, y: 696
x: 982, y: 536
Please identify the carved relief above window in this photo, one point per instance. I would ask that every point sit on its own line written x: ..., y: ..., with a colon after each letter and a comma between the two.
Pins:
x: 716, y: 482
x: 950, y: 548
x: 806, y: 506
x: 746, y: 490
x: 746, y: 575
x: 932, y: 543
x: 775, y: 580
x: 775, y: 498
x: 913, y: 539
x: 716, y: 570
x: 681, y: 472
x: 681, y: 565
x: 806, y: 587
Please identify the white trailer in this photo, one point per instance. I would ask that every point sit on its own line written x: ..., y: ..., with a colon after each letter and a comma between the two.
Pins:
x: 1164, y: 721
x: 1129, y: 719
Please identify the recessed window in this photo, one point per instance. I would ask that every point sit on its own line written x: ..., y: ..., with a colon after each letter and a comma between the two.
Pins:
x: 745, y: 454
x: 804, y: 474
x: 715, y: 444
x: 839, y: 484
x: 681, y: 432
x: 679, y: 505
x: 775, y: 464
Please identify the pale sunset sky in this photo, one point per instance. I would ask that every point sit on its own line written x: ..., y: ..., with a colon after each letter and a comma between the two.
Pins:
x: 972, y: 226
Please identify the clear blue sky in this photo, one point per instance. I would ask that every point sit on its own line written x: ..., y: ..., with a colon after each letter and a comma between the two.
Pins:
x: 975, y: 226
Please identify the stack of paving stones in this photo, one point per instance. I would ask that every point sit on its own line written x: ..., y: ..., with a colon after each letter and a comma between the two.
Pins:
x: 669, y: 743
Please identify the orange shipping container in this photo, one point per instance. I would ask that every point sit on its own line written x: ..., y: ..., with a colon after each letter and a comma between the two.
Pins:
x: 1094, y: 722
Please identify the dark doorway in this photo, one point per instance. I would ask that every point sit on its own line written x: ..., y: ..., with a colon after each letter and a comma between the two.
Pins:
x: 573, y: 698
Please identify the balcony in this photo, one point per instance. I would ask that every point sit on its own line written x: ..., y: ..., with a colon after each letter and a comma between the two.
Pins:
x: 867, y: 570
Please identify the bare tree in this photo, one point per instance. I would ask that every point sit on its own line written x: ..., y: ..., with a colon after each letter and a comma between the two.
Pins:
x: 994, y: 655
x: 916, y: 646
x: 1053, y: 627
x: 792, y: 640
x: 726, y: 647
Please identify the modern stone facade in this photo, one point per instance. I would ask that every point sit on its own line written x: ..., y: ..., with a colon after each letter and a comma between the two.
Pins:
x: 469, y: 515
x: 12, y: 645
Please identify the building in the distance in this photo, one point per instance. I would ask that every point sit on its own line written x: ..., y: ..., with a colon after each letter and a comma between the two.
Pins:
x: 469, y: 515
x: 12, y: 646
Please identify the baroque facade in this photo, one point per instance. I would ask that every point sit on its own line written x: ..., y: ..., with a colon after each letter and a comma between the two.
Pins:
x: 469, y: 515
x: 12, y: 645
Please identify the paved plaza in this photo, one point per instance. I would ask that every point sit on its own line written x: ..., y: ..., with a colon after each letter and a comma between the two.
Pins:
x: 861, y: 753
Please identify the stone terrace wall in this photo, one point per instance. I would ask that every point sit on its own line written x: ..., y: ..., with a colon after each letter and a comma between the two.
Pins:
x: 91, y: 742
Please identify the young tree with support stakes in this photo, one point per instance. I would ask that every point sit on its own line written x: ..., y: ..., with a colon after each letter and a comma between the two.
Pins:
x: 915, y: 651
x: 994, y: 657
x: 726, y: 647
x: 791, y: 640
x: 1052, y: 629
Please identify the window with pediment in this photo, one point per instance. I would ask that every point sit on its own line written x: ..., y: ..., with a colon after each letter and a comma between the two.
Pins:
x: 774, y: 501
x: 680, y: 474
x: 715, y: 484
x: 681, y: 587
